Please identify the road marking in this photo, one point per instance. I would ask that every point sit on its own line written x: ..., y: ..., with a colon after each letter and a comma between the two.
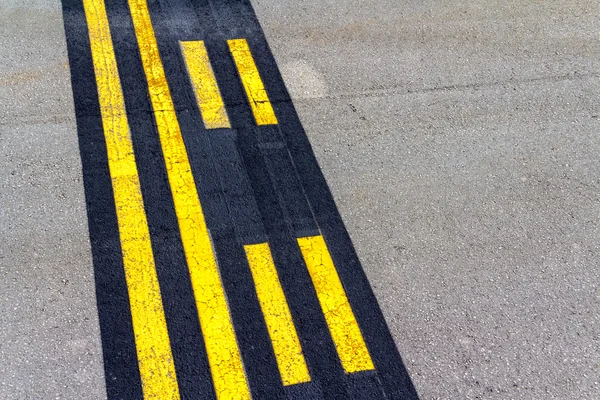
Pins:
x: 153, y: 347
x: 205, y: 85
x: 344, y: 329
x: 307, y: 328
x: 253, y: 85
x: 223, y: 354
x: 282, y: 331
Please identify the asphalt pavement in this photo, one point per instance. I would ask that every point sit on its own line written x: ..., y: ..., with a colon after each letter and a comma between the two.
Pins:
x: 459, y: 141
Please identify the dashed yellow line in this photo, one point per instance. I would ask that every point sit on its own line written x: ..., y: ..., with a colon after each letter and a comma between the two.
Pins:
x: 205, y: 85
x: 348, y: 339
x: 157, y: 371
x: 288, y: 352
x: 253, y: 85
x: 221, y: 346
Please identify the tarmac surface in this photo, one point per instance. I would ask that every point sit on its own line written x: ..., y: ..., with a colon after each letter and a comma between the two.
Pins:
x: 459, y: 140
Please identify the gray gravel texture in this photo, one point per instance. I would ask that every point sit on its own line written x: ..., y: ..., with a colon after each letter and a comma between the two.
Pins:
x: 49, y: 335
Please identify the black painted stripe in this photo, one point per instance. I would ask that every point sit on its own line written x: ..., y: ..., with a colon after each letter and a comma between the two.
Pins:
x: 255, y: 183
x: 251, y: 333
x: 118, y: 347
x: 180, y: 310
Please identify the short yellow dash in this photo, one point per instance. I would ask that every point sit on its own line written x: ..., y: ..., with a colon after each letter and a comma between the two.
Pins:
x: 148, y: 319
x: 280, y: 325
x: 205, y: 85
x: 253, y: 85
x: 344, y: 329
x: 223, y: 354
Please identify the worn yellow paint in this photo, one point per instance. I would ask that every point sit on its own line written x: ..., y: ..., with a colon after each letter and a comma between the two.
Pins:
x: 223, y: 354
x: 205, y: 85
x: 288, y: 352
x: 149, y: 326
x: 253, y: 85
x: 344, y: 329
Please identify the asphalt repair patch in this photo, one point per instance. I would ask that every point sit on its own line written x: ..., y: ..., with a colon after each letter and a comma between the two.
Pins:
x: 222, y: 266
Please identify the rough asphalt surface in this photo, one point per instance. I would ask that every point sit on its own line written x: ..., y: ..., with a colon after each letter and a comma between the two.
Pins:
x: 459, y: 140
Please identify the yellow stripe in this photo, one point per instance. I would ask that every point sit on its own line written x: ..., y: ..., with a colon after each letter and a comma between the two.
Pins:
x: 255, y: 90
x: 344, y: 329
x: 221, y: 346
x: 150, y: 328
x: 205, y: 85
x: 280, y: 325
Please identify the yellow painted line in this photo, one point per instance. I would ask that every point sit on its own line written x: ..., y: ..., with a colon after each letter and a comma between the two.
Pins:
x: 205, y: 85
x: 288, y: 352
x: 253, y: 85
x: 223, y: 354
x: 348, y: 339
x: 152, y: 344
